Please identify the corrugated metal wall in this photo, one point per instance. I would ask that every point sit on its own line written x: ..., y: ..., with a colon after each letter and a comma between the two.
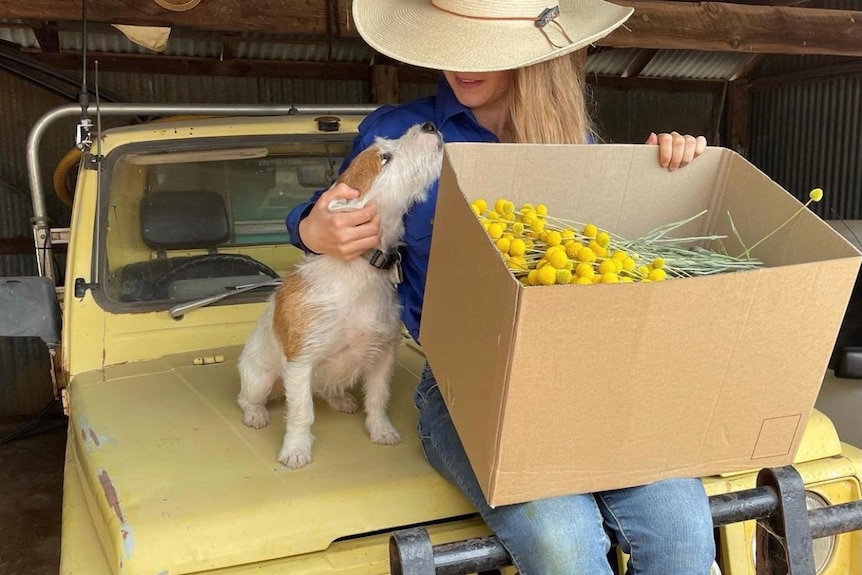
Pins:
x: 25, y: 384
x: 809, y: 134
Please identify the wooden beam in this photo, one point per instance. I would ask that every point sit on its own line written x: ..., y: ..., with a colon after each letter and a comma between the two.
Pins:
x: 283, y: 16
x: 384, y: 84
x: 48, y: 37
x: 637, y: 64
x: 737, y: 116
x: 719, y: 26
x: 656, y: 24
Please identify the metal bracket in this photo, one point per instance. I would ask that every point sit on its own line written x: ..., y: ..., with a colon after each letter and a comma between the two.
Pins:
x: 784, y: 543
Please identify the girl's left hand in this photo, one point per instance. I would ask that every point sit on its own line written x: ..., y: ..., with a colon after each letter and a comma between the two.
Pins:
x: 676, y: 150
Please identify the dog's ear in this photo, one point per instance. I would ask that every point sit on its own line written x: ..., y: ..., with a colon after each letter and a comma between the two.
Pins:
x: 362, y: 170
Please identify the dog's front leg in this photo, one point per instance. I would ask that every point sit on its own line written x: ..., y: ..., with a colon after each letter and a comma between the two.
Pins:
x: 376, y: 399
x: 296, y: 450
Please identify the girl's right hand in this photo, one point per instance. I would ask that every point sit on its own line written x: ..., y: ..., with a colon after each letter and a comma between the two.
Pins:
x: 344, y: 235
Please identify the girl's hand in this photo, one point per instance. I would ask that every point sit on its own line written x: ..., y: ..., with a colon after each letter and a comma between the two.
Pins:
x: 676, y: 150
x: 343, y: 235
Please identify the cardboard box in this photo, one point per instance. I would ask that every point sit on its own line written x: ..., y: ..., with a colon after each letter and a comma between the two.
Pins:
x: 571, y: 388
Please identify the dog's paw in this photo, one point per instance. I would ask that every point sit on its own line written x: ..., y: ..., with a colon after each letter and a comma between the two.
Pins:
x: 344, y: 403
x: 294, y: 459
x: 383, y: 433
x: 296, y: 451
x: 256, y: 416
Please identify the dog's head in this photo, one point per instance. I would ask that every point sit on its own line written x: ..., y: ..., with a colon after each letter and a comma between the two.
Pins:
x: 394, y: 173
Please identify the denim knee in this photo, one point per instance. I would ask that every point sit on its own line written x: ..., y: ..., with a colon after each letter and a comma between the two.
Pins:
x: 665, y: 527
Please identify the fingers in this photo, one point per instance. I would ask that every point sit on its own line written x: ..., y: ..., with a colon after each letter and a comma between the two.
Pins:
x: 340, y: 234
x: 652, y: 140
x: 677, y: 150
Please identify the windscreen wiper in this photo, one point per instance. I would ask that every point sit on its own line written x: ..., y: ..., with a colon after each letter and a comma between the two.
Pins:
x: 180, y: 310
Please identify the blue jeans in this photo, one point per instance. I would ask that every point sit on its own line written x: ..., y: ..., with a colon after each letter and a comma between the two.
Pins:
x: 665, y: 527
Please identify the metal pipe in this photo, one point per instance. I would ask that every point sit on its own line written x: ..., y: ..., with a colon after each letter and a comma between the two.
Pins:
x: 755, y: 503
x: 836, y: 519
x: 486, y: 553
x: 34, y: 139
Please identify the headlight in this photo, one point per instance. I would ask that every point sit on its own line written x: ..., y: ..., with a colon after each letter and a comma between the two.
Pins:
x: 823, y: 547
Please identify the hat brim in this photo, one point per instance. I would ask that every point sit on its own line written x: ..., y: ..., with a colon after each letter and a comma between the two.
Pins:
x: 417, y: 33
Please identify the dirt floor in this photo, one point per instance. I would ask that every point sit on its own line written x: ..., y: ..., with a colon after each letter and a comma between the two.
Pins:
x: 31, y: 490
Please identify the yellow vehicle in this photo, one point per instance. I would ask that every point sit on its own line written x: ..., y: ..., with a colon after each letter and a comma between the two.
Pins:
x: 172, y: 222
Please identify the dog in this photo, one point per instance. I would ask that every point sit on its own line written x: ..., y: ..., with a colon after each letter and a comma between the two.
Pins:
x: 333, y: 323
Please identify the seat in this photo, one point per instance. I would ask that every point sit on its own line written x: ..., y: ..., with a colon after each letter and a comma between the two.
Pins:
x: 185, y: 220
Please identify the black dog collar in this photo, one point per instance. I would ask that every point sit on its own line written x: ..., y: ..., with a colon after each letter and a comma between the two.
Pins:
x: 382, y: 260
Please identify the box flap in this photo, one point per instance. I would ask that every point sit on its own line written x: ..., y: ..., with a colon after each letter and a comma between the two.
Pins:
x: 457, y: 289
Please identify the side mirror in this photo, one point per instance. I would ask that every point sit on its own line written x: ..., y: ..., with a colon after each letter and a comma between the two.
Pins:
x: 29, y: 308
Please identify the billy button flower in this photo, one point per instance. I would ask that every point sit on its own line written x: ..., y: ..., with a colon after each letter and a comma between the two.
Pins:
x: 814, y: 195
x: 547, y: 275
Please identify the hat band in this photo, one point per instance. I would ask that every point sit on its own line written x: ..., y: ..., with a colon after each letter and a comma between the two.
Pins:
x: 548, y: 16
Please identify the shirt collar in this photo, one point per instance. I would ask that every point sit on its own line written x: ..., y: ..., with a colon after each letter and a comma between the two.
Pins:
x: 448, y: 105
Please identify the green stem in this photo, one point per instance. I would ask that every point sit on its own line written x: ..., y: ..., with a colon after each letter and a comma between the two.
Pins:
x: 767, y: 236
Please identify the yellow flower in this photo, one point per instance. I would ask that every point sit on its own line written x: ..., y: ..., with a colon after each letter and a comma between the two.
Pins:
x: 492, y: 215
x: 557, y: 258
x: 564, y: 276
x: 607, y: 266
x: 542, y: 210
x: 585, y: 254
x: 533, y: 278
x: 584, y: 280
x: 584, y: 270
x: 517, y: 228
x: 517, y: 263
x: 610, y: 278
x: 537, y: 225
x: 554, y: 238
x: 590, y: 230
x: 527, y: 208
x: 603, y: 239
x: 476, y: 210
x: 547, y: 276
x: 567, y: 234
x: 599, y: 250
x: 658, y: 263
x: 500, y: 206
x: 517, y: 247
x: 503, y: 245
x: 496, y: 230
x: 657, y: 275
x: 572, y: 249
x: 628, y: 264
x: 481, y: 204
x: 816, y: 194
x: 643, y: 271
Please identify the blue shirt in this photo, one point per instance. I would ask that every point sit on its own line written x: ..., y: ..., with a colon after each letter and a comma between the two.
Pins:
x: 457, y: 124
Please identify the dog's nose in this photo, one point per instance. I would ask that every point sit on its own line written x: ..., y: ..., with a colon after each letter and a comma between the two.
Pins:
x: 429, y: 127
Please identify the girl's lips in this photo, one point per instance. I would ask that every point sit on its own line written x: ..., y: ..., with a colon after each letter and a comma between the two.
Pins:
x: 467, y: 82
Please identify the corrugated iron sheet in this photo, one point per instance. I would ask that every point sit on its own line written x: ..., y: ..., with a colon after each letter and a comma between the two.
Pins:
x: 809, y: 135
x: 695, y: 65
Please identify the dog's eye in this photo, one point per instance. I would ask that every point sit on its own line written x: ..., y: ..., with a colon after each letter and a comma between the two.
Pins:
x: 384, y: 158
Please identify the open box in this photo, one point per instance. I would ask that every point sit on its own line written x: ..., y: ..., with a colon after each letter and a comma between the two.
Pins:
x: 572, y: 388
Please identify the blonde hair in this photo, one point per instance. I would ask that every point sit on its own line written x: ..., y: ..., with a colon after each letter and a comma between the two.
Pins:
x: 548, y: 104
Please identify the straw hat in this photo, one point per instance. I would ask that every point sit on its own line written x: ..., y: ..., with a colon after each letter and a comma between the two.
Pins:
x: 483, y: 35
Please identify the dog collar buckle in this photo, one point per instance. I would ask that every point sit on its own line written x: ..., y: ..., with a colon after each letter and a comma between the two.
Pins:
x: 383, y: 260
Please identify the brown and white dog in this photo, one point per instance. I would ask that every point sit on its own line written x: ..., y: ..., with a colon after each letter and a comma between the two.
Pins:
x: 333, y: 323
